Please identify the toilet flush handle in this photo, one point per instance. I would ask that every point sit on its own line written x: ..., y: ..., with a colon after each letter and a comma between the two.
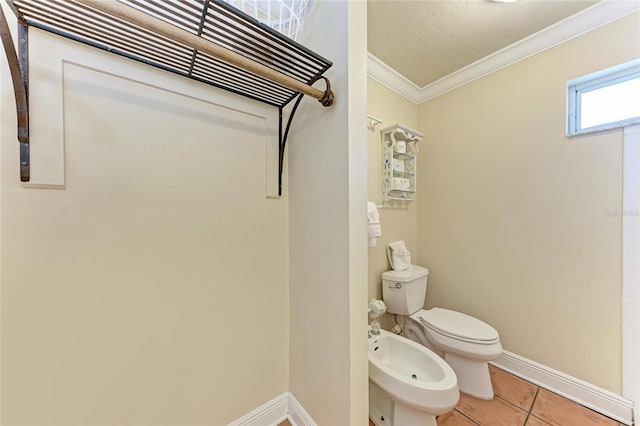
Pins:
x: 396, y: 285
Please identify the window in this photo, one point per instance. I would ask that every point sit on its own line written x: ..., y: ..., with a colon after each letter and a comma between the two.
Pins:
x: 604, y: 100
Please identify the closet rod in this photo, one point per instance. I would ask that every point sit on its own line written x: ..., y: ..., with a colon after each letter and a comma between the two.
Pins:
x: 172, y: 32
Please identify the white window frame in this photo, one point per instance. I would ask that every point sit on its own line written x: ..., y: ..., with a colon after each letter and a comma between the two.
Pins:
x: 598, y: 80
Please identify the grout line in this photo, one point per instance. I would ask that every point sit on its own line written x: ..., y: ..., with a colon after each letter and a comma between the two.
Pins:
x: 533, y: 402
x: 534, y: 399
x: 511, y: 404
x: 522, y: 380
x: 467, y: 417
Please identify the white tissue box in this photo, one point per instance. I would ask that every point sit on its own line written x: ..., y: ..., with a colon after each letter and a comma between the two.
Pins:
x: 401, y: 147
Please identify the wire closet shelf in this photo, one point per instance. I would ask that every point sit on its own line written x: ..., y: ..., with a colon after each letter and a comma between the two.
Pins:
x: 214, y: 21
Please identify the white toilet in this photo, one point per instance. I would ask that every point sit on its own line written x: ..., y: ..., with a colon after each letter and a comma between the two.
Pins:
x: 466, y: 343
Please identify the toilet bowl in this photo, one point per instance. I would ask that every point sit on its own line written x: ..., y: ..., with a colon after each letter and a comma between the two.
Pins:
x: 466, y: 343
x: 408, y: 384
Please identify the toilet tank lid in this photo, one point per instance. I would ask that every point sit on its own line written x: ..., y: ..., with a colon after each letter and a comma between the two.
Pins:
x: 407, y: 275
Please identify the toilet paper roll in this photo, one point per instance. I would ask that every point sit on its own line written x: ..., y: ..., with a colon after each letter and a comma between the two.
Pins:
x: 377, y: 308
x: 398, y: 165
x: 397, y: 183
x: 405, y: 184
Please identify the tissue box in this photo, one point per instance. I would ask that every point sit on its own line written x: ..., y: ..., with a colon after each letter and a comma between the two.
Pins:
x: 401, y: 147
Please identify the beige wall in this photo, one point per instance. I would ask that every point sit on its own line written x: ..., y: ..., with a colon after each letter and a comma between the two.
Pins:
x: 399, y: 220
x: 327, y: 184
x: 154, y: 288
x: 520, y: 225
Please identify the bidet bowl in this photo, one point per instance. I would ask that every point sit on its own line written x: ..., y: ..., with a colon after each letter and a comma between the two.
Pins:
x: 412, y: 374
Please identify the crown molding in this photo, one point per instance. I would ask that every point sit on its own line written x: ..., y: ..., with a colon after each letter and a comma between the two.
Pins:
x: 601, y: 13
x: 392, y: 79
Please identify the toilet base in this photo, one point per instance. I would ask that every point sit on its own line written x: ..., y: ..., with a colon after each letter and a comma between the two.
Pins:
x: 473, y: 376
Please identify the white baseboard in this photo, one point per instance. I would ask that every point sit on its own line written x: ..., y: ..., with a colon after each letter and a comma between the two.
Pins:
x: 270, y: 413
x: 297, y: 414
x: 593, y: 397
x: 283, y: 407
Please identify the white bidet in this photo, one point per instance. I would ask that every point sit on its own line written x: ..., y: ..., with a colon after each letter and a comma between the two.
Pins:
x: 408, y: 383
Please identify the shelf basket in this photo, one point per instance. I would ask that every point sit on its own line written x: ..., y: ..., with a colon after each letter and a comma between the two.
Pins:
x: 284, y: 16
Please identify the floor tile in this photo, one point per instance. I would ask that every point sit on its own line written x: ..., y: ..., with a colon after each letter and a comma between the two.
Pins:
x: 496, y: 412
x: 454, y: 418
x: 512, y: 389
x: 534, y: 421
x: 559, y: 411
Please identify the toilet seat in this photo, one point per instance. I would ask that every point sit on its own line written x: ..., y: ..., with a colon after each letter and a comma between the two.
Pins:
x: 457, y: 325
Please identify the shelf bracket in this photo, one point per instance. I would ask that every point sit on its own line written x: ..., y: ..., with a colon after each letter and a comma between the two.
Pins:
x: 373, y: 122
x: 326, y: 101
x: 19, y: 77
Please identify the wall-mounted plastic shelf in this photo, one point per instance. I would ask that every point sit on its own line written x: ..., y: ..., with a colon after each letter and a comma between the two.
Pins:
x: 399, y: 153
x: 403, y: 156
x: 205, y: 40
x: 403, y: 174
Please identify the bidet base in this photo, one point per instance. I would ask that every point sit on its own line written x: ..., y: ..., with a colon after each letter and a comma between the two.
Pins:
x: 380, y: 406
x: 384, y: 411
x: 406, y: 416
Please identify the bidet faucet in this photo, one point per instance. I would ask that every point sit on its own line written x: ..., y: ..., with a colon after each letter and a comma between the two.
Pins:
x: 375, y: 328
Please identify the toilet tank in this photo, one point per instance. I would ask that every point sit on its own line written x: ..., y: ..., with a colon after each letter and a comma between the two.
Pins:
x: 404, y: 291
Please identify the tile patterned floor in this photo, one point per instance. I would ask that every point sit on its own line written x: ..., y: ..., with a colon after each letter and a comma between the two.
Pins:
x: 518, y: 403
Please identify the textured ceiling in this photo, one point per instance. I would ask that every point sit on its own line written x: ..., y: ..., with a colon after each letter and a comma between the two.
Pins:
x: 425, y: 40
